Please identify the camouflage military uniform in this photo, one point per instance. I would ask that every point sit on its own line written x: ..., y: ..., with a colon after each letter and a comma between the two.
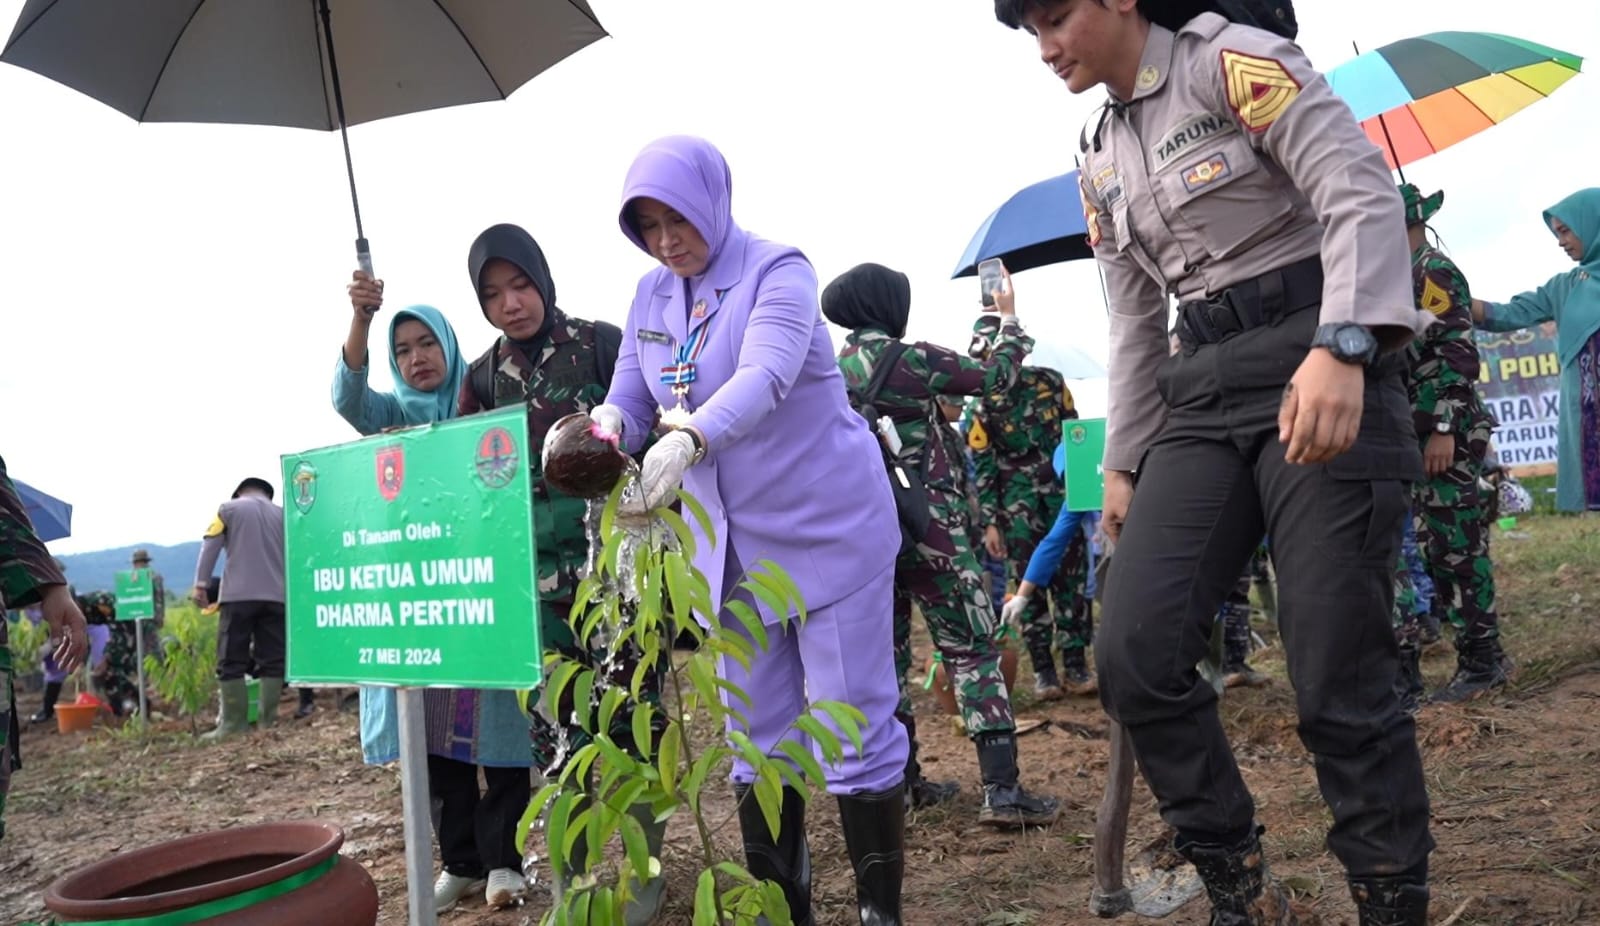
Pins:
x: 1451, y: 510
x: 942, y: 574
x: 25, y: 569
x: 1012, y: 435
x: 116, y: 677
x: 570, y: 376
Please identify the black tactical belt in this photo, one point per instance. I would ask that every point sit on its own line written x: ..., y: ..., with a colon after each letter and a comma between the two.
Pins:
x: 1252, y: 303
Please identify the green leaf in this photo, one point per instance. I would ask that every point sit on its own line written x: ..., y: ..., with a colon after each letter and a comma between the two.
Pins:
x: 768, y: 790
x: 667, y: 758
x: 582, y: 691
x: 827, y: 742
x: 556, y: 682
x: 678, y: 587
x: 641, y: 671
x: 737, y: 872
x: 701, y: 676
x: 610, y: 701
x: 643, y: 736
x: 705, y: 899
x: 681, y: 529
x: 634, y: 845
x: 698, y: 512
x: 804, y: 760
x: 608, y: 514
x: 775, y: 601
x: 695, y: 783
x: 753, y: 625
x: 555, y: 829
x: 747, y: 748
x: 775, y: 905
x: 602, y: 907
x: 615, y: 757
x: 731, y: 648
x: 846, y: 717
x: 530, y: 815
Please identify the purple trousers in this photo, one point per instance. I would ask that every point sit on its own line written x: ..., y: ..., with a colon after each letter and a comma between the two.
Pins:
x: 843, y: 652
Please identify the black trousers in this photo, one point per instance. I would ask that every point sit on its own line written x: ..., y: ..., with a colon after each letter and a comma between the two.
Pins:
x: 1211, y: 485
x: 477, y: 831
x: 251, y: 632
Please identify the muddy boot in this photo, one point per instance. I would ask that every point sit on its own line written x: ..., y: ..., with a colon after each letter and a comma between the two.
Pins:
x: 267, y: 702
x: 1430, y: 633
x: 1408, y: 685
x: 231, y: 718
x: 785, y: 860
x: 1077, y: 677
x: 1480, y: 668
x: 308, y: 703
x: 920, y: 792
x: 47, y: 710
x: 1046, y: 684
x: 1390, y: 901
x: 649, y: 895
x: 1242, y: 892
x: 1005, y: 803
x: 1236, y: 672
x: 874, y: 824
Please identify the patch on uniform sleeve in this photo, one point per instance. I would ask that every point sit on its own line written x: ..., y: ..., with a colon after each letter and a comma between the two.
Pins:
x: 1435, y: 298
x: 977, y: 437
x: 1091, y: 215
x: 217, y: 528
x: 1259, y: 90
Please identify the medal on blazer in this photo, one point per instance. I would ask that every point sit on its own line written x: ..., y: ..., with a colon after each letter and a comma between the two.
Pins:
x: 681, y: 372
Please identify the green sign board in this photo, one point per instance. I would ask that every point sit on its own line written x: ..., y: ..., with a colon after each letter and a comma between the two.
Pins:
x: 410, y: 558
x: 136, y: 595
x: 1085, y: 442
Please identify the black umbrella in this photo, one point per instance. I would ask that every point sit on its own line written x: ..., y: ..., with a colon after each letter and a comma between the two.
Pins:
x: 272, y: 62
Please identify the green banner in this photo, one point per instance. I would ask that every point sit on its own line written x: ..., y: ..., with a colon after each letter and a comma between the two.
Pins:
x: 1085, y: 443
x: 136, y: 594
x: 410, y: 558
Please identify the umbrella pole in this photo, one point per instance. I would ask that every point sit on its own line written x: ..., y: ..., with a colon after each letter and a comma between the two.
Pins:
x: 363, y: 252
x: 1383, y: 125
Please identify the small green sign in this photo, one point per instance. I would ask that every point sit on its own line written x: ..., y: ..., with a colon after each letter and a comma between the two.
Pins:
x: 1085, y: 442
x: 410, y: 558
x: 136, y: 595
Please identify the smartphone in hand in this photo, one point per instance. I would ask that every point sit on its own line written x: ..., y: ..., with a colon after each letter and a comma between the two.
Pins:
x: 990, y: 278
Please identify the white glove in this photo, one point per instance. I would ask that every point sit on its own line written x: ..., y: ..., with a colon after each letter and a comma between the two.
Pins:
x: 664, y: 467
x: 1011, y: 613
x: 608, y: 418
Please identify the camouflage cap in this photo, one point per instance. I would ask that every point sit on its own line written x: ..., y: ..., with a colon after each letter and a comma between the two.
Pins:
x: 1419, y: 208
x: 141, y: 555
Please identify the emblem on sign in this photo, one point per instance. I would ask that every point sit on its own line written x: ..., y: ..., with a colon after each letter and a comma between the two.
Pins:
x: 303, y: 486
x: 1078, y: 434
x: 391, y: 466
x: 497, y: 458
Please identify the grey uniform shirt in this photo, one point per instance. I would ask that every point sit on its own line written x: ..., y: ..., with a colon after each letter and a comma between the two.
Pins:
x: 250, y: 528
x: 1232, y: 159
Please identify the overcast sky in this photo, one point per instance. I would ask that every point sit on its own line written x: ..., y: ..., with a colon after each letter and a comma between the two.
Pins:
x: 174, y: 295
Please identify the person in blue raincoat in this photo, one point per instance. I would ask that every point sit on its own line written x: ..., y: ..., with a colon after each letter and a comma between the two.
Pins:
x: 1572, y: 301
x: 467, y: 729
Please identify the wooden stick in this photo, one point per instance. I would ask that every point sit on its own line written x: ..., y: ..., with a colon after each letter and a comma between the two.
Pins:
x: 1452, y: 918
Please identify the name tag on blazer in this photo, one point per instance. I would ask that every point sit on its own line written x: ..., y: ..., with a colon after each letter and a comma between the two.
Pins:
x: 654, y: 337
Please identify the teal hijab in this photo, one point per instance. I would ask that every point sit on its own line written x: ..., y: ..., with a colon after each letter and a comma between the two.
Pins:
x: 1581, y: 213
x: 421, y: 407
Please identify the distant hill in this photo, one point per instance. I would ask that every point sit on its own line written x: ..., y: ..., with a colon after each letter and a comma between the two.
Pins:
x: 95, y: 571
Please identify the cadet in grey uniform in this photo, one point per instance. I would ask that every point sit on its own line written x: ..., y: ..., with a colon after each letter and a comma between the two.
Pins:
x: 1224, y: 172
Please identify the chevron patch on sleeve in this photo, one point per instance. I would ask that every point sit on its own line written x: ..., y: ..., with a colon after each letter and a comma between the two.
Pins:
x: 1259, y: 89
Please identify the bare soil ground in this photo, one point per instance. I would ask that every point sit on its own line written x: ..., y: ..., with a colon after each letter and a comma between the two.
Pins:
x: 1516, y: 799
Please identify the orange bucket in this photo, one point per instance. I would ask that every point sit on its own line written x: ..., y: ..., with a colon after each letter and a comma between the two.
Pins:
x: 71, y: 718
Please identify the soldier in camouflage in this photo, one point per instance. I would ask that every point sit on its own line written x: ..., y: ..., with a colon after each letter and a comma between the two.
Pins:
x: 941, y: 573
x: 29, y: 576
x: 158, y: 592
x: 1413, y: 592
x: 1454, y: 426
x: 1011, y: 434
x: 553, y: 365
x: 116, y: 676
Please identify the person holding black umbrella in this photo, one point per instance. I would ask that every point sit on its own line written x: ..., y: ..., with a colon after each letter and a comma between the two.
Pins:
x: 1225, y: 172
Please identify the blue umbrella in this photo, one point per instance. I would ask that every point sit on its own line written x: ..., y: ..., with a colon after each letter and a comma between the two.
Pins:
x: 51, y: 517
x: 1040, y: 224
x: 1065, y: 359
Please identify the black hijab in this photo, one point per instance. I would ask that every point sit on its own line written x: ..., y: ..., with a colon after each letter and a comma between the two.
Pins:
x: 869, y: 296
x: 513, y: 244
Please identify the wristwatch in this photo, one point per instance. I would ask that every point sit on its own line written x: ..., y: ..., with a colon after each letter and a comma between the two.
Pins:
x: 1348, y: 342
x: 1441, y: 426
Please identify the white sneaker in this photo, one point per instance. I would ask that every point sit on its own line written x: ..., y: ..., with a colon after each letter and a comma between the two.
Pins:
x: 505, y: 886
x: 451, y: 888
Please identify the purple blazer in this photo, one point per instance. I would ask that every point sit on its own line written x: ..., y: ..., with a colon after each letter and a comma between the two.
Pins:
x: 791, y: 474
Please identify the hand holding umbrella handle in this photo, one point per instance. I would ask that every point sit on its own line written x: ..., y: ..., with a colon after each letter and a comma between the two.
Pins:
x: 364, y: 261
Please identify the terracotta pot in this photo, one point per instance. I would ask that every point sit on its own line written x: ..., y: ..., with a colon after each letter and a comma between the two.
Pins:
x: 945, y: 693
x: 266, y: 875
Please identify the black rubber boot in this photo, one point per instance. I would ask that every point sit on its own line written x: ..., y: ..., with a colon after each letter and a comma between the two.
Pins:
x: 874, y: 825
x: 785, y: 860
x: 1076, y: 676
x: 1481, y: 667
x: 1046, y: 683
x: 308, y: 703
x: 1005, y: 802
x: 1390, y: 901
x: 47, y: 710
x: 919, y: 791
x: 1408, y: 686
x: 1242, y: 892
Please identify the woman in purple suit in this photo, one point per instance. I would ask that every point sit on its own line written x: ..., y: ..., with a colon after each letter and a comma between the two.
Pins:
x: 727, y: 341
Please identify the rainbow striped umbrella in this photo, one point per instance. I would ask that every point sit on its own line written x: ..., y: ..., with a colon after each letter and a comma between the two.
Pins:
x: 1417, y: 96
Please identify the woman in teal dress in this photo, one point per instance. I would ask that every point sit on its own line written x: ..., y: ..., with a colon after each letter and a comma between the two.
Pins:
x: 1572, y: 301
